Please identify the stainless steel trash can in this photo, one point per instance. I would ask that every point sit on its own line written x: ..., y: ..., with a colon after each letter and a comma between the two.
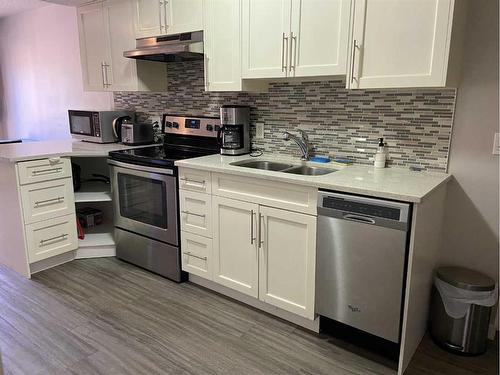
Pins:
x: 469, y: 334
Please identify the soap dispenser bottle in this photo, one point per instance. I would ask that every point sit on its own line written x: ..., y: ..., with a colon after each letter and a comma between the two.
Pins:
x: 380, y: 156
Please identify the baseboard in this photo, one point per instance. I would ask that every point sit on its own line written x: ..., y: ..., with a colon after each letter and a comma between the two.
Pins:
x: 52, y: 262
x: 95, y: 252
x: 312, y: 325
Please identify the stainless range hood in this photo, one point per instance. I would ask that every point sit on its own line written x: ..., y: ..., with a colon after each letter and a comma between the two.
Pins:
x: 179, y: 47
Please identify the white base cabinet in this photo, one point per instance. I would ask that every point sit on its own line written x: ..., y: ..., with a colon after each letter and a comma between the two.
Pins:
x: 267, y: 253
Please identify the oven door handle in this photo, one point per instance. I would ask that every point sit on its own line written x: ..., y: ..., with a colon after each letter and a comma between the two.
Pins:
x: 141, y: 168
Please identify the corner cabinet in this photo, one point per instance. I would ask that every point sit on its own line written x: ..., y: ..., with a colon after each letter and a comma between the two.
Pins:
x: 104, y: 35
x: 294, y: 38
x: 263, y: 238
x: 166, y: 17
x: 400, y: 43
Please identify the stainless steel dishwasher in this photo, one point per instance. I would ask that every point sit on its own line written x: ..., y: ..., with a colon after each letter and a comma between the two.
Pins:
x: 361, y: 255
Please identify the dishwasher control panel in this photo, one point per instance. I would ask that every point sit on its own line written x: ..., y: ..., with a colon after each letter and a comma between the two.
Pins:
x: 343, y: 204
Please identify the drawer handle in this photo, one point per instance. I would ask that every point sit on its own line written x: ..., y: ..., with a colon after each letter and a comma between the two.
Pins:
x: 192, y: 213
x: 189, y: 254
x: 47, y: 171
x: 187, y: 180
x: 60, y: 237
x: 56, y: 200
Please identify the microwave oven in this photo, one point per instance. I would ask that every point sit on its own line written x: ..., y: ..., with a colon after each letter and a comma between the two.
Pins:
x: 97, y: 126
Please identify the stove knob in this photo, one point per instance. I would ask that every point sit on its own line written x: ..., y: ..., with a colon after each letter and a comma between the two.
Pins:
x: 175, y: 125
x: 168, y: 124
x: 210, y: 128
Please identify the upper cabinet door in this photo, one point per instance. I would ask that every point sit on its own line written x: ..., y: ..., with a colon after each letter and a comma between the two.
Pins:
x: 93, y: 48
x: 235, y: 251
x: 122, y: 72
x: 183, y: 16
x: 149, y: 17
x: 287, y: 260
x: 265, y: 38
x: 400, y: 43
x: 319, y: 37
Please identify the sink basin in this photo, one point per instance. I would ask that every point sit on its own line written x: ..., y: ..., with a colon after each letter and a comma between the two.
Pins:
x: 309, y: 171
x: 262, y: 164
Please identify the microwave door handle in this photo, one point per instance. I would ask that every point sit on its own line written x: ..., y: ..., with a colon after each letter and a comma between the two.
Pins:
x: 115, y: 130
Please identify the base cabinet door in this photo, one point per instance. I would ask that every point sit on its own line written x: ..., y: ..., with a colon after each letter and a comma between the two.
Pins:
x: 287, y: 260
x: 235, y: 245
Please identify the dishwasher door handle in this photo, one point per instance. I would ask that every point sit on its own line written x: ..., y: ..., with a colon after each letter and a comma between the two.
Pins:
x: 358, y: 218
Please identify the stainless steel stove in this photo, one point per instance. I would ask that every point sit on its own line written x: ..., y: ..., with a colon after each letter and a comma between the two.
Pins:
x: 145, y: 193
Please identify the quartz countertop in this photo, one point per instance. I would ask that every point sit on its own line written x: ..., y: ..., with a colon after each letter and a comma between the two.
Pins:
x: 15, y: 152
x: 391, y: 183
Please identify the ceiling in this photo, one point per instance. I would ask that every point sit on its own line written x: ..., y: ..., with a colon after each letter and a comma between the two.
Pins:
x: 9, y: 7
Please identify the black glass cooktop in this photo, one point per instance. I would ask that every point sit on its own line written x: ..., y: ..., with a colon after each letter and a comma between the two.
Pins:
x: 159, y: 156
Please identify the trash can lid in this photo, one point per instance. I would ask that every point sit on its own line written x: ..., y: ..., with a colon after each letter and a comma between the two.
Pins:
x: 465, y: 278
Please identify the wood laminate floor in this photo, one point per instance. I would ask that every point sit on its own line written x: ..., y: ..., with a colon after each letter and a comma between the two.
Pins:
x: 103, y: 316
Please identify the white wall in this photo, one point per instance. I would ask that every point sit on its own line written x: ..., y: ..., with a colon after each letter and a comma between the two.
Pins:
x: 40, y: 74
x: 472, y: 226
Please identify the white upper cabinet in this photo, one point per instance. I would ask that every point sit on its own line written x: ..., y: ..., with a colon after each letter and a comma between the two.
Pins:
x: 400, y: 43
x: 165, y: 17
x: 319, y: 37
x: 105, y: 33
x: 294, y: 38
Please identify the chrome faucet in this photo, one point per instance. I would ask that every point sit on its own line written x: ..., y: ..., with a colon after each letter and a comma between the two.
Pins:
x: 302, y: 142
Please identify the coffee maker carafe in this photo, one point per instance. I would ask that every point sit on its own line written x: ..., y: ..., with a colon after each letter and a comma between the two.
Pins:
x: 234, y: 134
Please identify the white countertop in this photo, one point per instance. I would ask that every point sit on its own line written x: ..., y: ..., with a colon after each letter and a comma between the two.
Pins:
x: 14, y: 152
x: 391, y: 183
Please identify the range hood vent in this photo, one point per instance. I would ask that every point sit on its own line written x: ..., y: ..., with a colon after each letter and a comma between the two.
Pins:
x: 179, y: 47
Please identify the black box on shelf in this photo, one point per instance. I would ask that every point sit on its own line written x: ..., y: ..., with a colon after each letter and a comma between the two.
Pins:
x: 89, y: 217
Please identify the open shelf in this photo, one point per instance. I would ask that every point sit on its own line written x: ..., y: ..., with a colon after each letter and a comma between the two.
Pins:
x: 93, y: 192
x: 98, y: 236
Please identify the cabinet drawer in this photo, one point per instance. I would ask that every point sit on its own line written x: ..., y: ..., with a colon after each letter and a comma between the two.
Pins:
x: 196, y: 212
x: 269, y: 193
x: 194, y: 180
x: 46, y: 200
x: 196, y: 255
x: 52, y: 237
x: 43, y: 170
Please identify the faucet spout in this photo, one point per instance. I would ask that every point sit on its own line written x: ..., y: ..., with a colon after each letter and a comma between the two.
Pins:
x: 302, y: 142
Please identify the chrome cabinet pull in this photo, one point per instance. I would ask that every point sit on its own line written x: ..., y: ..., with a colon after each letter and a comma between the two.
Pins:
x: 106, y: 66
x: 261, y: 241
x: 165, y: 12
x: 56, y: 200
x: 189, y: 254
x: 103, y: 74
x: 192, y: 213
x: 187, y: 180
x: 47, y: 171
x: 252, y: 238
x: 355, y: 45
x: 293, y: 51
x: 62, y: 237
x: 160, y: 5
x: 284, y: 55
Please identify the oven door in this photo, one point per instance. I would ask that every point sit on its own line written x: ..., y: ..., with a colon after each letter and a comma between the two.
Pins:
x: 145, y: 200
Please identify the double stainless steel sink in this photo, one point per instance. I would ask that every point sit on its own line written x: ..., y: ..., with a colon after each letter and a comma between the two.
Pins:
x: 266, y: 165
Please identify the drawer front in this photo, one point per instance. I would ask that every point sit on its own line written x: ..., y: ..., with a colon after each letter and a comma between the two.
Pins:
x: 197, y: 255
x: 196, y: 212
x: 46, y: 200
x: 282, y: 195
x: 194, y: 180
x: 43, y: 170
x: 52, y: 237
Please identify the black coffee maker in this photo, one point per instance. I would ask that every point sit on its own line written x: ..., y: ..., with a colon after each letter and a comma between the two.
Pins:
x: 234, y: 134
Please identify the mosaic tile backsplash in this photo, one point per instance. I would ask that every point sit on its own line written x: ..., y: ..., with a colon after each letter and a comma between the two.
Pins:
x: 415, y: 123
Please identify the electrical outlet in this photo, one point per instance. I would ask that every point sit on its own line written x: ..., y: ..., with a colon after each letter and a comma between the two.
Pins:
x: 259, y: 134
x: 496, y: 144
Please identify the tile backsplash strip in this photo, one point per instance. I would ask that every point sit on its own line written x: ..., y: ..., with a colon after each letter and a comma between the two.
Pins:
x: 416, y: 123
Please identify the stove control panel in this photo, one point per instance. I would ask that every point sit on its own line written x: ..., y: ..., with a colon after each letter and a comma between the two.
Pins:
x: 186, y: 125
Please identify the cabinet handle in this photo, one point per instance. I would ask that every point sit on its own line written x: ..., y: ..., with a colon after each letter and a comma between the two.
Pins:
x: 187, y: 180
x: 355, y: 45
x: 106, y: 66
x: 205, y: 67
x: 46, y: 171
x: 62, y: 237
x: 192, y: 213
x: 103, y: 74
x: 252, y: 238
x: 260, y: 230
x: 293, y: 51
x: 57, y: 200
x: 284, y: 42
x: 165, y: 10
x: 160, y: 5
x: 189, y: 254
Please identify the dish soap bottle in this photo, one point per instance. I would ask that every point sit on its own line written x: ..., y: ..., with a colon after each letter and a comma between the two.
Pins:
x: 380, y: 156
